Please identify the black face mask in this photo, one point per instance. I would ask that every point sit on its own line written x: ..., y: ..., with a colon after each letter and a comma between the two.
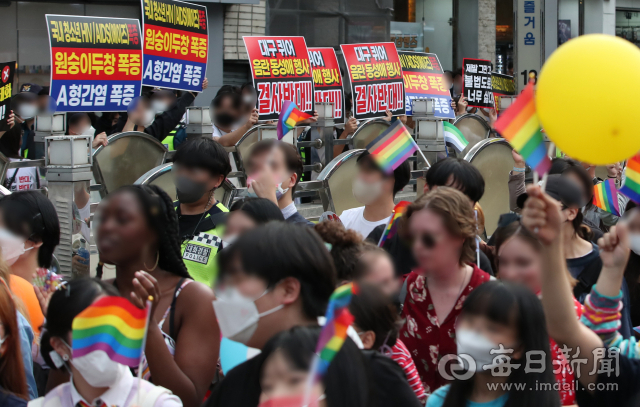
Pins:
x: 224, y: 119
x: 188, y: 190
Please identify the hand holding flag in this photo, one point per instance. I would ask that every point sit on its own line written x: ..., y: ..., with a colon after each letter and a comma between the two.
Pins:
x: 605, y: 196
x: 392, y: 226
x: 289, y: 117
x: 393, y: 147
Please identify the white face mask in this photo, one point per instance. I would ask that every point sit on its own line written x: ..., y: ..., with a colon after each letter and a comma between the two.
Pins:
x: 160, y: 106
x: 634, y: 243
x: 149, y: 117
x: 365, y: 192
x: 12, y: 246
x: 95, y: 367
x: 27, y: 111
x: 479, y: 348
x: 88, y: 131
x: 238, y: 315
x: 280, y: 191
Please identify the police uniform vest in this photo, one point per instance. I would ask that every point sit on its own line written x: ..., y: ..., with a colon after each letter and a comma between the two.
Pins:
x: 168, y: 141
x: 200, y: 248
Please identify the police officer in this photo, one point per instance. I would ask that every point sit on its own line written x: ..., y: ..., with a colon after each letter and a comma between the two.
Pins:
x: 161, y: 101
x: 200, y: 166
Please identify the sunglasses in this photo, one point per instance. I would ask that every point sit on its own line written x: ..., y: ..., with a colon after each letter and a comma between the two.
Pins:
x: 428, y: 240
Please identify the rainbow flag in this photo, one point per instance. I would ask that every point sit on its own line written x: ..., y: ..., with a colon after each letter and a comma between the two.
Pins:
x: 605, y: 196
x: 334, y: 331
x: 392, y: 226
x: 112, y: 325
x: 393, y: 147
x: 631, y: 185
x: 289, y: 117
x: 519, y: 124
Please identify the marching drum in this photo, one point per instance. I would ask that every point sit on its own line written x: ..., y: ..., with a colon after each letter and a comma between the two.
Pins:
x: 474, y: 128
x: 127, y: 157
x: 367, y: 132
x: 492, y: 157
x: 162, y: 177
x: 337, y: 178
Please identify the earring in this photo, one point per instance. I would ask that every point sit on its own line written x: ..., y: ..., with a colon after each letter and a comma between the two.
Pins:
x: 65, y: 357
x: 155, y: 265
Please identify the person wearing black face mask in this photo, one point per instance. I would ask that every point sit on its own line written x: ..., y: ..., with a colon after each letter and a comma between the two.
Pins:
x: 227, y: 108
x: 200, y: 166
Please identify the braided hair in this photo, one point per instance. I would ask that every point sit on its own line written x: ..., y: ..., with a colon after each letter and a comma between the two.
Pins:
x: 162, y: 218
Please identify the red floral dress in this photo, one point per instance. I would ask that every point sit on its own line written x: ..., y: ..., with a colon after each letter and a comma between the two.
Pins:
x: 426, y: 338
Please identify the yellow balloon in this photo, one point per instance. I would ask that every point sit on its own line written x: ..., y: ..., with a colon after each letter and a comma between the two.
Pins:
x: 586, y: 95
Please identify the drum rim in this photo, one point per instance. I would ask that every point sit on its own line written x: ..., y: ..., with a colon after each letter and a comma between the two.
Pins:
x: 482, y: 144
x: 333, y: 166
x: 368, y: 121
x: 250, y: 131
x: 475, y: 117
x: 154, y: 173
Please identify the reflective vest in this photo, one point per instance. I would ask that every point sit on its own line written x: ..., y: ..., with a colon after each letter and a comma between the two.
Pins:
x: 168, y: 141
x: 199, y: 251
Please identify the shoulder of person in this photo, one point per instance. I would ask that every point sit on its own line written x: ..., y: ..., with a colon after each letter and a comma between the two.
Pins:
x: 436, y: 399
x: 240, y: 386
x: 196, y: 293
x: 351, y: 213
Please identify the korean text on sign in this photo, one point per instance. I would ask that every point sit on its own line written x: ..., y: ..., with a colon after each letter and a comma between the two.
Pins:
x: 376, y: 79
x: 327, y: 80
x: 6, y: 87
x: 477, y: 86
x: 281, y: 71
x: 96, y: 62
x: 423, y: 79
x: 176, y: 44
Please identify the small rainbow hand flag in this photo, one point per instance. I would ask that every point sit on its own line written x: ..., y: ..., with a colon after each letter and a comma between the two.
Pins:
x: 393, y: 147
x: 605, y: 197
x: 631, y: 185
x: 519, y: 124
x: 392, y: 226
x: 289, y: 117
x: 112, y: 325
x: 334, y: 331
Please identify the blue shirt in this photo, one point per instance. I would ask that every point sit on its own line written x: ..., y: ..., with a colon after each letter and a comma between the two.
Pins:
x: 26, y: 339
x: 436, y: 399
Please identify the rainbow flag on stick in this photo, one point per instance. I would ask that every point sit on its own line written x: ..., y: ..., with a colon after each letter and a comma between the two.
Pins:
x: 605, y: 196
x: 392, y: 226
x: 113, y: 326
x: 519, y: 124
x: 289, y: 117
x: 393, y: 147
x: 631, y: 185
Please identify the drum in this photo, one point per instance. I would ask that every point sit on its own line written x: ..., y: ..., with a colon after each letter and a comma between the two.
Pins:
x: 126, y: 158
x: 337, y: 177
x: 492, y: 157
x: 162, y: 177
x: 474, y: 128
x: 367, y: 132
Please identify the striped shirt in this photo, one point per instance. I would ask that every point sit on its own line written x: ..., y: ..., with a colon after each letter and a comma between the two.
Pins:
x: 400, y: 354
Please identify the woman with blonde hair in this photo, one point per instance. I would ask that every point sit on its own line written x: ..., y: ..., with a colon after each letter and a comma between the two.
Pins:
x: 442, y: 226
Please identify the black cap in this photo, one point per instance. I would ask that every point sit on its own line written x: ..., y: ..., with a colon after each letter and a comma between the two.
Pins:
x: 562, y: 189
x: 31, y: 88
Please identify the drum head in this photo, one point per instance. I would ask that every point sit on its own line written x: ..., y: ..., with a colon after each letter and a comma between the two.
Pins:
x: 492, y: 157
x: 338, y: 177
x: 368, y: 131
x: 126, y: 158
x: 474, y: 128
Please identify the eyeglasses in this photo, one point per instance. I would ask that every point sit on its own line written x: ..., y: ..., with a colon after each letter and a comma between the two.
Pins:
x: 427, y: 239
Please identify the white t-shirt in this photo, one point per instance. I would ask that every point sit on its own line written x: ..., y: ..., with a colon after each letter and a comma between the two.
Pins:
x: 354, y: 219
x: 26, y: 179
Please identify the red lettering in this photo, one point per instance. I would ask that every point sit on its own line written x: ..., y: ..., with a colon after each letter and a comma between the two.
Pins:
x: 361, y: 99
x: 264, y: 98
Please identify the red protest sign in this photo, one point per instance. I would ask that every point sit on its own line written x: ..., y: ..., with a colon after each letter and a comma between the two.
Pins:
x: 281, y: 71
x: 376, y: 79
x: 327, y: 80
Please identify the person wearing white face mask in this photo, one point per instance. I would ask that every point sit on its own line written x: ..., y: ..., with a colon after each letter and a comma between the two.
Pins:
x: 495, y: 317
x: 26, y: 109
x: 21, y: 178
x: 93, y: 379
x: 375, y: 190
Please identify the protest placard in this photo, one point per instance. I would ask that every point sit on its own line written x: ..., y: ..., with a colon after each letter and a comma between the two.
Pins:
x: 96, y: 62
x: 423, y: 78
x: 6, y: 87
x: 503, y: 84
x: 176, y: 44
x: 376, y: 79
x: 327, y: 80
x: 281, y: 71
x: 476, y: 86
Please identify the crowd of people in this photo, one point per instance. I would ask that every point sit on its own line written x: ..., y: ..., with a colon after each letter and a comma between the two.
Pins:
x: 540, y: 313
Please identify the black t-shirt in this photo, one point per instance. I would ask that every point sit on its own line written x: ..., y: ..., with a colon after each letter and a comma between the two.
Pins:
x: 402, y: 257
x: 241, y: 385
x: 617, y: 390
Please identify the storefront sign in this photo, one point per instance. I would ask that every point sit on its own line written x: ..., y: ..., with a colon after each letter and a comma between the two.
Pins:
x: 503, y: 84
x: 176, y: 44
x: 281, y: 71
x: 96, y: 62
x: 423, y: 78
x: 6, y: 87
x: 476, y: 84
x: 376, y: 79
x: 327, y: 80
x: 528, y: 41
